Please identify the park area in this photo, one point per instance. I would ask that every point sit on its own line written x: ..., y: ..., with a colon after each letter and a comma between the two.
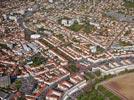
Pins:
x: 123, y: 86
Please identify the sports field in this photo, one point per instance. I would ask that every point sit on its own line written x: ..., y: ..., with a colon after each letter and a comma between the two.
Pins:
x: 123, y: 86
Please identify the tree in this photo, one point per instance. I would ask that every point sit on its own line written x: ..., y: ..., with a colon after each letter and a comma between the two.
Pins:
x: 73, y: 68
x: 18, y: 84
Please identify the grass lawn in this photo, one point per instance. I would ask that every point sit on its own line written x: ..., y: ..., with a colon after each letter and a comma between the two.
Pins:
x: 89, y: 76
x: 91, y: 96
x: 99, y: 50
x: 76, y: 27
x: 100, y: 94
x: 18, y: 84
x: 124, y: 43
x: 88, y: 28
x: 37, y: 60
x: 107, y: 93
x: 129, y: 4
x: 73, y: 68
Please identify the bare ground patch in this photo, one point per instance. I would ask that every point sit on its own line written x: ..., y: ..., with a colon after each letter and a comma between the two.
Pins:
x: 123, y: 86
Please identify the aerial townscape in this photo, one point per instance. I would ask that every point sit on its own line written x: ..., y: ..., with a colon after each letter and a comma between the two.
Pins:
x: 66, y: 49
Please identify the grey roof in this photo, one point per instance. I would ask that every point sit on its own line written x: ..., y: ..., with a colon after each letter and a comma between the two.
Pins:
x: 120, y: 17
x: 3, y: 95
x: 4, y: 81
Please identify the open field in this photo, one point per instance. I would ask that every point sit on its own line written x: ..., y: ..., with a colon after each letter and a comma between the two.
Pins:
x: 123, y: 86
